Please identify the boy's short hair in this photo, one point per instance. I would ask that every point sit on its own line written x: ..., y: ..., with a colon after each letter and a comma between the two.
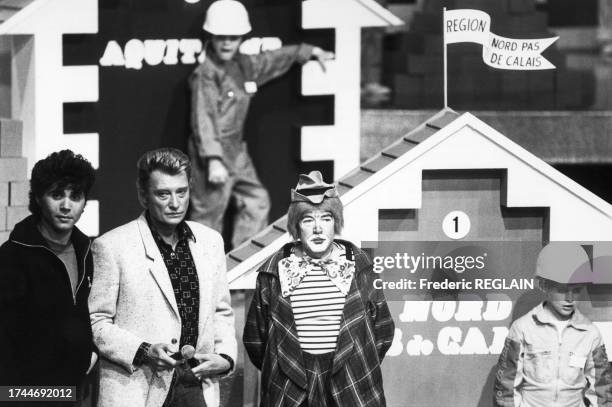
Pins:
x: 59, y: 171
x: 167, y: 160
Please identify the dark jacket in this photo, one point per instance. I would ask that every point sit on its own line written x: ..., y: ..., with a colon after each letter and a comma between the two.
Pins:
x: 45, y: 333
x: 366, y: 333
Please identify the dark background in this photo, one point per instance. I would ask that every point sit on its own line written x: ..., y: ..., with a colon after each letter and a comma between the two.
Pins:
x: 139, y: 110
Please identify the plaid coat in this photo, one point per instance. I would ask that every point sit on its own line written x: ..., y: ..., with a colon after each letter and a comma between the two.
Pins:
x: 366, y: 333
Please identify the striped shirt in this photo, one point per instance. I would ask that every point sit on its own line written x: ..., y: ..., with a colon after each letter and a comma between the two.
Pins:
x: 317, y: 305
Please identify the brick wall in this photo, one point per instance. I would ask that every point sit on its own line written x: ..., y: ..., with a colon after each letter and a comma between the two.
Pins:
x: 14, y: 185
x: 413, y: 64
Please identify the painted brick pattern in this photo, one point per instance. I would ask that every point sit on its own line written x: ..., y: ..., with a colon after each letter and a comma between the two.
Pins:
x: 412, y: 64
x: 11, y: 145
x: 3, y: 218
x: 4, y: 194
x: 18, y: 193
x: 14, y: 184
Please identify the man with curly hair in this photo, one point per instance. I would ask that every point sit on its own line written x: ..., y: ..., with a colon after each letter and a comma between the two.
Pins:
x: 45, y: 276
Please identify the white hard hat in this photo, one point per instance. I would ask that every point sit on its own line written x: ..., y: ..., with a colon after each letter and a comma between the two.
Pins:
x: 564, y: 263
x: 227, y: 17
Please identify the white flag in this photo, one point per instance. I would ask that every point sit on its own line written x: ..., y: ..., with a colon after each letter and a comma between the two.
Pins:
x: 466, y: 25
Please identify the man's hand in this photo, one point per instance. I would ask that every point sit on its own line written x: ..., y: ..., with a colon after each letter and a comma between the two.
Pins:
x: 211, y: 364
x: 322, y: 57
x: 158, y: 357
x: 217, y: 173
x: 92, y: 362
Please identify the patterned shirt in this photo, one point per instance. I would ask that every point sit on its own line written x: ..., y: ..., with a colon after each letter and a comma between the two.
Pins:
x: 366, y: 333
x: 317, y: 291
x: 184, y: 279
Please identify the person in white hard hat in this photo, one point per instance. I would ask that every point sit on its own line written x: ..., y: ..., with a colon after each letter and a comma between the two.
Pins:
x: 222, y: 87
x: 554, y: 355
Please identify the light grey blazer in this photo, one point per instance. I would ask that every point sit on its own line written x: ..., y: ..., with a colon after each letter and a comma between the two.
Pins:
x: 132, y: 301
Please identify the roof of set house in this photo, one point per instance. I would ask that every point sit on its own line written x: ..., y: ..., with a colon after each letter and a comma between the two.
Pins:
x: 369, y: 12
x: 530, y: 182
x: 277, y: 231
x: 10, y: 9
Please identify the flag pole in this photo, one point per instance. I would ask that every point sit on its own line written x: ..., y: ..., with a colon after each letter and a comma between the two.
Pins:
x: 444, y: 57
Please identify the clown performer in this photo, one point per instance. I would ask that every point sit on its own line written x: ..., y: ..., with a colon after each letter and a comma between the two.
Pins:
x: 317, y: 328
x: 221, y: 89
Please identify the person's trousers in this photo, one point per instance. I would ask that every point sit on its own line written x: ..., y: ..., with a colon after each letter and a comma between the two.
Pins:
x: 318, y: 374
x: 184, y: 393
x: 209, y: 202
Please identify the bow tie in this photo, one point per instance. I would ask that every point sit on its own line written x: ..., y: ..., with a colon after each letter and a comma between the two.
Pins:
x: 293, y: 269
x: 318, y: 262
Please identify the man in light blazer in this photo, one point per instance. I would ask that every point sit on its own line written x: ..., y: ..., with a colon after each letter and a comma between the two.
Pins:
x: 159, y: 286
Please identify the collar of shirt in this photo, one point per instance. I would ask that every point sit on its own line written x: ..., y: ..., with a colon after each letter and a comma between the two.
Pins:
x: 183, y: 231
x: 293, y: 269
x: 543, y: 316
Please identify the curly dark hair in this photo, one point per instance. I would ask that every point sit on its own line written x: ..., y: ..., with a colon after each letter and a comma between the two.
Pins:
x: 60, y: 170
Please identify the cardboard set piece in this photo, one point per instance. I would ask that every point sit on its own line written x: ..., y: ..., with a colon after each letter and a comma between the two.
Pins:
x: 43, y: 82
x: 453, y: 162
x: 392, y: 179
